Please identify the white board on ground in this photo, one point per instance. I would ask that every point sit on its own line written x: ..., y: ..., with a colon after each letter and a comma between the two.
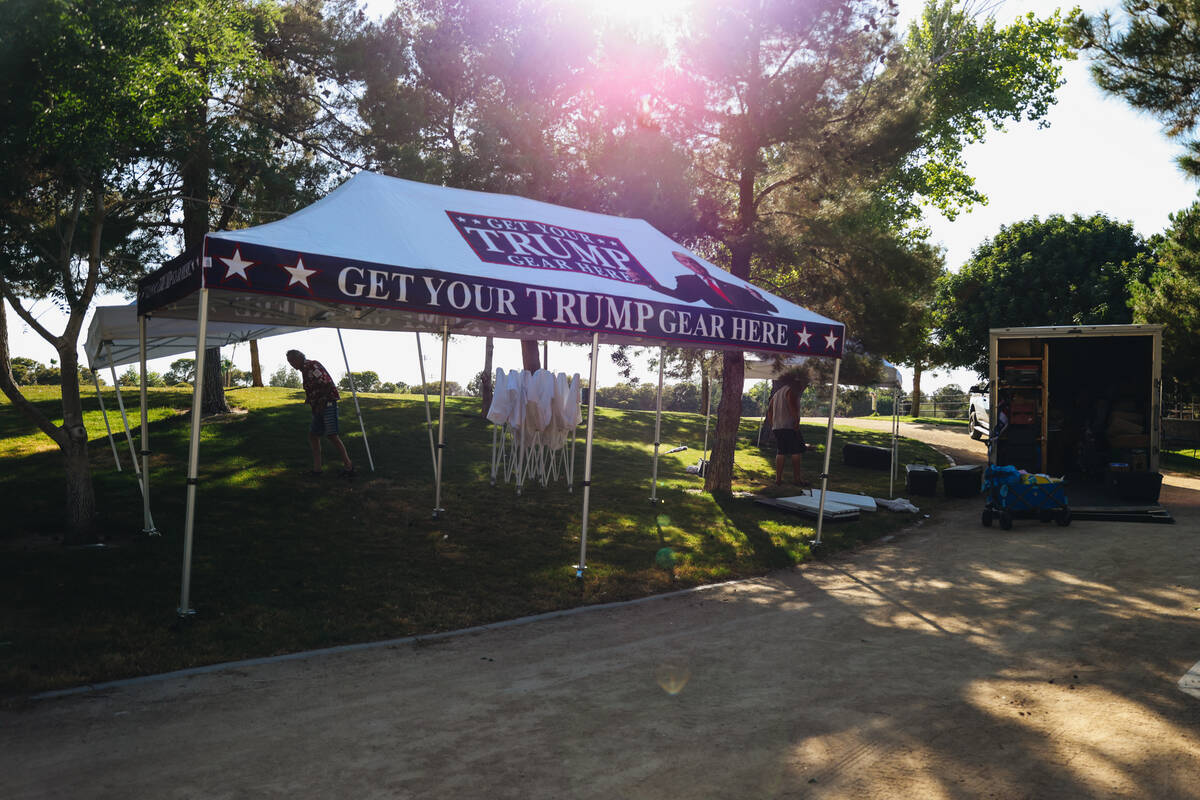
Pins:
x: 1190, y: 682
x: 860, y: 501
x: 809, y: 503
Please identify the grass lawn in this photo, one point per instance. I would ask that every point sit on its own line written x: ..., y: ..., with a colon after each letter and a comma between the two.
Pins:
x: 283, y: 562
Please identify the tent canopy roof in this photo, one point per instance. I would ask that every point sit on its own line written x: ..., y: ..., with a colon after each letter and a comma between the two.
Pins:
x: 115, y: 329
x: 858, y: 370
x: 390, y: 254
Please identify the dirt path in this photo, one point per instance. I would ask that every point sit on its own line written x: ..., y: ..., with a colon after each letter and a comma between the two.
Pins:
x: 952, y: 661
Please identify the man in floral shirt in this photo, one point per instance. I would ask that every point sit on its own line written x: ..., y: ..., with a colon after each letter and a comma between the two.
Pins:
x: 320, y: 392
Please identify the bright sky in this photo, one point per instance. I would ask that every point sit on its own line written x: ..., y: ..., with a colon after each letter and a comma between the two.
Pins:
x: 1096, y: 156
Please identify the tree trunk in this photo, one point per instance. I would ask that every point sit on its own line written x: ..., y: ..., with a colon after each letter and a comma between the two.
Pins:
x: 530, y: 358
x: 485, y: 382
x: 916, y: 392
x: 719, y: 476
x: 705, y: 390
x: 81, y: 495
x: 212, y: 399
x: 255, y: 365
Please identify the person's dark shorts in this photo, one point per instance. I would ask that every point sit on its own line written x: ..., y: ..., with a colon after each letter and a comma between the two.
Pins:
x: 325, y: 423
x: 789, y: 442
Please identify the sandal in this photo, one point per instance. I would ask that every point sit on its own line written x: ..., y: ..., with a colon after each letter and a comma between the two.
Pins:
x: 348, y: 473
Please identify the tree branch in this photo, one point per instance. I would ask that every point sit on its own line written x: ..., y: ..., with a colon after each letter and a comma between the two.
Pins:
x: 6, y: 293
x: 9, y: 386
x: 65, y: 250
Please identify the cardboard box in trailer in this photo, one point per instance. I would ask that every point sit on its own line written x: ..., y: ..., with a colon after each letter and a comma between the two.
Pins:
x: 1081, y: 401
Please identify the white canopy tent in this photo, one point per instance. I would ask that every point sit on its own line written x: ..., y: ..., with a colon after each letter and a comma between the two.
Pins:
x: 114, y: 340
x: 385, y: 254
x: 884, y: 376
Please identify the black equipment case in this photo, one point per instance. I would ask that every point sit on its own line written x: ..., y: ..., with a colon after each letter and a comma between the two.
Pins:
x: 963, y: 481
x: 921, y: 479
x: 865, y: 455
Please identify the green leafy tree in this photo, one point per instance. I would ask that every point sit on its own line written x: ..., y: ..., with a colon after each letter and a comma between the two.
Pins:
x: 622, y: 395
x: 475, y: 386
x: 1056, y: 271
x: 89, y: 378
x: 978, y: 76
x: 365, y: 381
x: 1170, y: 296
x: 1149, y: 55
x: 25, y: 370
x: 285, y: 377
x: 182, y: 370
x: 130, y: 377
x: 434, y: 388
x: 682, y: 397
x: 92, y: 92
x: 819, y: 131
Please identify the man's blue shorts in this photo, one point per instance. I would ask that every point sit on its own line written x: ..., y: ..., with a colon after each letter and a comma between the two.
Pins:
x: 325, y: 423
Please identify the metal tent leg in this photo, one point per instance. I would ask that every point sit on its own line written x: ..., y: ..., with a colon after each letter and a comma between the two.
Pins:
x: 144, y: 476
x: 104, y: 413
x: 189, y: 524
x: 581, y: 567
x: 441, y: 446
x: 657, y: 430
x: 895, y: 440
x: 112, y: 370
x: 837, y: 365
x: 350, y: 377
x: 428, y: 416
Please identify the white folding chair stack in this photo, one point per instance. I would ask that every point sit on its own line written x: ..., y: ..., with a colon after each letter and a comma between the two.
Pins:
x: 534, y: 418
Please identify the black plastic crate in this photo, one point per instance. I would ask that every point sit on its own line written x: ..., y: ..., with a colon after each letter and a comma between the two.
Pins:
x: 963, y: 481
x: 920, y: 479
x: 1141, y: 487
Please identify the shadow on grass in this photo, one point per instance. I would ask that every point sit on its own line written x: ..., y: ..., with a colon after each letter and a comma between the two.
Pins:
x: 285, y: 562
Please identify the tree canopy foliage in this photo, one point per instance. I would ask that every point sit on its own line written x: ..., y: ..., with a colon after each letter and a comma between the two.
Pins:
x: 1170, y: 296
x: 792, y: 142
x: 1057, y: 271
x: 1149, y: 54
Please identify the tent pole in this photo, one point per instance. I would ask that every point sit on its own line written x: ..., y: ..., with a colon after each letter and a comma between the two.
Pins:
x: 763, y: 423
x: 707, y: 413
x: 428, y: 418
x: 104, y: 412
x: 657, y: 430
x: 137, y: 470
x: 147, y: 520
x: 357, y: 410
x: 189, y: 524
x: 895, y: 440
x: 587, y: 460
x: 441, y: 446
x: 837, y: 365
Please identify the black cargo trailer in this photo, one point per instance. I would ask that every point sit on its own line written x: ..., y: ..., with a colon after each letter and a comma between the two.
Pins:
x: 1079, y: 401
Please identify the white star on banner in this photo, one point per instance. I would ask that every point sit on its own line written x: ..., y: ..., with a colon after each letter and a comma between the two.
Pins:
x: 299, y: 273
x: 237, y: 266
x: 831, y: 341
x: 804, y: 336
